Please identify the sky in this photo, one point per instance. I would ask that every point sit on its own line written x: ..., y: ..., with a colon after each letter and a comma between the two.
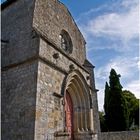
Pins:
x: 1, y: 1
x: 111, y: 30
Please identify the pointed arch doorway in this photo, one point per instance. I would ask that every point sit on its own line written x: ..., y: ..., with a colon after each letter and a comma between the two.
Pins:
x: 77, y: 105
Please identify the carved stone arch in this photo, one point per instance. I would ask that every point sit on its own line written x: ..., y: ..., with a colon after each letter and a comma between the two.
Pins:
x: 80, y: 105
x: 87, y: 98
x: 84, y: 88
x: 67, y: 79
x: 76, y: 86
x: 76, y: 102
x: 82, y: 79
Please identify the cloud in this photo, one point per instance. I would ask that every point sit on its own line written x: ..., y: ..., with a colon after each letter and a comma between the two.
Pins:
x: 139, y: 64
x: 89, y: 14
x: 134, y: 87
x: 118, y: 27
x: 122, y: 66
x: 129, y: 3
x: 100, y: 95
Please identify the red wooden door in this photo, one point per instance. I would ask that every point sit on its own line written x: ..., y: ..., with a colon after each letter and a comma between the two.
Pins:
x: 69, y: 115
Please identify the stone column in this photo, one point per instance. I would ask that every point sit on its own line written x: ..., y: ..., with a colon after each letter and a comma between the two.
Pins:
x: 91, y: 117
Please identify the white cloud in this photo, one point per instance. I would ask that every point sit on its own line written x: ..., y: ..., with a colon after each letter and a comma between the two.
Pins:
x: 116, y: 25
x: 91, y: 12
x: 100, y: 95
x: 129, y: 3
x: 139, y: 65
x: 113, y: 26
x: 121, y: 65
x: 134, y: 87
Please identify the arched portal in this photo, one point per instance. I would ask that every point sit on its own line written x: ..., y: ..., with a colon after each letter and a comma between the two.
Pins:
x: 77, y: 104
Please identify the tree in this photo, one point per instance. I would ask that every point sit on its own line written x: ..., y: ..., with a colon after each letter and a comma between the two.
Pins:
x: 133, y: 109
x: 103, y: 125
x: 107, y: 97
x: 106, y: 105
x: 116, y: 111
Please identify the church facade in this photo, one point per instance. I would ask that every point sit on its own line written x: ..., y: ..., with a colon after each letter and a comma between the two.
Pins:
x: 48, y: 87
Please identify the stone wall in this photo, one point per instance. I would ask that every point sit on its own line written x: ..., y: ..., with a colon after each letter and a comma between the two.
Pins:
x: 79, y: 136
x: 18, y: 102
x: 125, y: 135
x: 63, y: 62
x: 49, y: 116
x: 96, y: 121
x: 50, y: 18
x: 19, y: 70
x: 17, y: 32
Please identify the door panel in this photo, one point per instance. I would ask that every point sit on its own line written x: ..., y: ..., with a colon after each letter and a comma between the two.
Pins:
x: 69, y: 114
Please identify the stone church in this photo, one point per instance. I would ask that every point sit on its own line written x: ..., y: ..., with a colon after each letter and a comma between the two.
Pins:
x: 48, y: 87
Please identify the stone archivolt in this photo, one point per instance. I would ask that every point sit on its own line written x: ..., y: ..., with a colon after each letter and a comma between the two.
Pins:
x: 80, y: 94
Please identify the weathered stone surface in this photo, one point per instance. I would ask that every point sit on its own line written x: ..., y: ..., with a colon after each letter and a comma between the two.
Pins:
x: 47, y: 51
x: 125, y: 135
x: 17, y: 30
x: 18, y: 102
x: 50, y: 18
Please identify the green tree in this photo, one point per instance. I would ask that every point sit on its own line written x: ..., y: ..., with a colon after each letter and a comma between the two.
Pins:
x: 107, y: 97
x: 116, y: 111
x: 103, y: 125
x: 133, y: 109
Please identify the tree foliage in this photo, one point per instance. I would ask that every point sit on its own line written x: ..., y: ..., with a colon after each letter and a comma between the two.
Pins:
x: 103, y: 124
x: 121, y: 107
x: 133, y: 109
x: 107, y: 96
x: 116, y: 111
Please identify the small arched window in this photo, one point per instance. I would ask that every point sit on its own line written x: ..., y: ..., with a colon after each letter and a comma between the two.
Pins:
x: 66, y: 43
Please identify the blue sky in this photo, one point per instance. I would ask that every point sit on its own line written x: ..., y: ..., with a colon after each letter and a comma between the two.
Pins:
x: 111, y: 31
x: 2, y: 1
